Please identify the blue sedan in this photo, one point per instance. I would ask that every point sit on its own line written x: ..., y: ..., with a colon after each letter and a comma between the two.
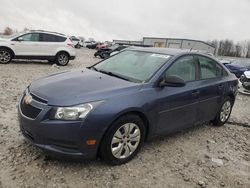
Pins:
x: 109, y: 110
x: 237, y: 67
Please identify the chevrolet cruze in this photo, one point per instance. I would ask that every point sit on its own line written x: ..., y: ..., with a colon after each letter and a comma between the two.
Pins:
x: 111, y: 108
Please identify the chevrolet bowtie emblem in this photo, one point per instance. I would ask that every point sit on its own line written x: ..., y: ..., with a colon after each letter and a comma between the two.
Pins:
x: 27, y: 99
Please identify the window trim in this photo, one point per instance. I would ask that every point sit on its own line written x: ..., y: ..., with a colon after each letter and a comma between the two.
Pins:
x: 16, y: 38
x: 196, y: 56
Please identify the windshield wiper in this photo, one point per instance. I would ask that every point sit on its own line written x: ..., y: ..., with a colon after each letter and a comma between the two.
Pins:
x: 92, y: 67
x: 114, y: 75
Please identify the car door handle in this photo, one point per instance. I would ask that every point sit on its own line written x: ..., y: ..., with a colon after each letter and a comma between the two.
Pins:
x: 195, y: 93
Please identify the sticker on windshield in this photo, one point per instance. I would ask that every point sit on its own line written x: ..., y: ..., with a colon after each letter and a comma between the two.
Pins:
x: 160, y: 56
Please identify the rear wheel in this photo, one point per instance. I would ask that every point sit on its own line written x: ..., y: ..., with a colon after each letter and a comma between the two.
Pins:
x: 5, y: 56
x: 123, y: 140
x: 62, y: 59
x: 224, y: 112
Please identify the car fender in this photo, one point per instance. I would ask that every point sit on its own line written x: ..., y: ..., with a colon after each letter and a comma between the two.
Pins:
x: 63, y: 49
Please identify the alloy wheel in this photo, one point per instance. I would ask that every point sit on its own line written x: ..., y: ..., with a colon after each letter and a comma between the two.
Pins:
x: 62, y: 59
x: 5, y: 56
x: 225, y: 111
x: 125, y: 140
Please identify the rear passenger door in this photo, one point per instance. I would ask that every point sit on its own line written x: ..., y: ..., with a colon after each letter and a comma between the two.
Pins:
x: 211, y: 86
x: 51, y: 43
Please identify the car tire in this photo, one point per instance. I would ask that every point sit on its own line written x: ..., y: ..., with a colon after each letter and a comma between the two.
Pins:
x: 224, y: 112
x: 78, y: 46
x: 123, y: 140
x: 105, y: 56
x: 62, y: 59
x: 5, y: 56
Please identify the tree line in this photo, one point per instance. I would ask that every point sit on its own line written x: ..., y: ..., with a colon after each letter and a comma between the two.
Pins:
x: 230, y: 48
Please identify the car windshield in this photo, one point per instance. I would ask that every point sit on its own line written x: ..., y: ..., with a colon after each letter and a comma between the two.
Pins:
x: 131, y: 65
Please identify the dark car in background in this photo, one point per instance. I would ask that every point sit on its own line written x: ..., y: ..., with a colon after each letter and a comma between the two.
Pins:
x: 237, y: 67
x: 92, y: 45
x: 105, y: 52
x: 111, y: 108
x: 77, y: 42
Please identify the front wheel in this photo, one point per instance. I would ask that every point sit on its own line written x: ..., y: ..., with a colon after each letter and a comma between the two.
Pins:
x: 5, y: 56
x: 223, y: 113
x: 123, y: 140
x: 62, y: 59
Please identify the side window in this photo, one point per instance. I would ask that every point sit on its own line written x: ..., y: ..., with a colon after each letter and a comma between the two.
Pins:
x: 184, y: 68
x: 32, y: 37
x: 52, y: 38
x: 48, y: 38
x: 209, y: 68
x: 60, y: 39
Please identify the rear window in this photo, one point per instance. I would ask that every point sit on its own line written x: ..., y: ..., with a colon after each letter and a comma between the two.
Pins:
x: 52, y: 38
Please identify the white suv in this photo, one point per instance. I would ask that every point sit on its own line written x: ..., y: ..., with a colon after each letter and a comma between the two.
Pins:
x: 38, y: 44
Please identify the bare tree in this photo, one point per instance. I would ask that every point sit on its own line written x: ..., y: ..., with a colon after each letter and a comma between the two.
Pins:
x: 8, y: 31
x: 238, y: 50
x: 248, y: 49
x: 25, y: 29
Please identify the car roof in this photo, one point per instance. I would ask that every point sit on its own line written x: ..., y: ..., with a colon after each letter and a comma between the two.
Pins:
x: 170, y: 51
x: 167, y: 51
x: 173, y: 52
x: 43, y: 31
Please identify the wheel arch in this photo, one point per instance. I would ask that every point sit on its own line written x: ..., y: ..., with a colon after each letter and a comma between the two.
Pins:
x: 127, y: 112
x: 8, y: 48
x: 64, y: 51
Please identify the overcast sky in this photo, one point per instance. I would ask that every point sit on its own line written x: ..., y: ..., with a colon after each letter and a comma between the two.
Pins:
x: 132, y: 19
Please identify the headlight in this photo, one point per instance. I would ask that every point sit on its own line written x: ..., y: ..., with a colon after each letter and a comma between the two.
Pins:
x: 72, y: 112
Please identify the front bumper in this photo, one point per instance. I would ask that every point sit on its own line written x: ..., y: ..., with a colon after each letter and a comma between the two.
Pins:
x: 58, y: 138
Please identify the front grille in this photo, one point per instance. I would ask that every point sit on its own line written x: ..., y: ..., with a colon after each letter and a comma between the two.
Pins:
x: 28, y: 110
x: 38, y: 99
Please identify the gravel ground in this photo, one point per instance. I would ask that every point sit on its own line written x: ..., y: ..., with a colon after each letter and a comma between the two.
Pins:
x: 204, y: 156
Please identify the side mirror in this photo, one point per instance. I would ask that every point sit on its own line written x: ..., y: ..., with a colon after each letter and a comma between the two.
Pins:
x: 20, y: 38
x: 172, y: 81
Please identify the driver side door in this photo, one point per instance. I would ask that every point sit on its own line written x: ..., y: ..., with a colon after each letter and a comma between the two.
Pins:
x: 28, y: 46
x: 178, y: 105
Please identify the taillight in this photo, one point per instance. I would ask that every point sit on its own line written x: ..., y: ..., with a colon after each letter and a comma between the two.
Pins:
x: 71, y: 45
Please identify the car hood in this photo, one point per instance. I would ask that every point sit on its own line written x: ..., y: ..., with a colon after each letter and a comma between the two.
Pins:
x: 80, y: 86
x: 233, y: 66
